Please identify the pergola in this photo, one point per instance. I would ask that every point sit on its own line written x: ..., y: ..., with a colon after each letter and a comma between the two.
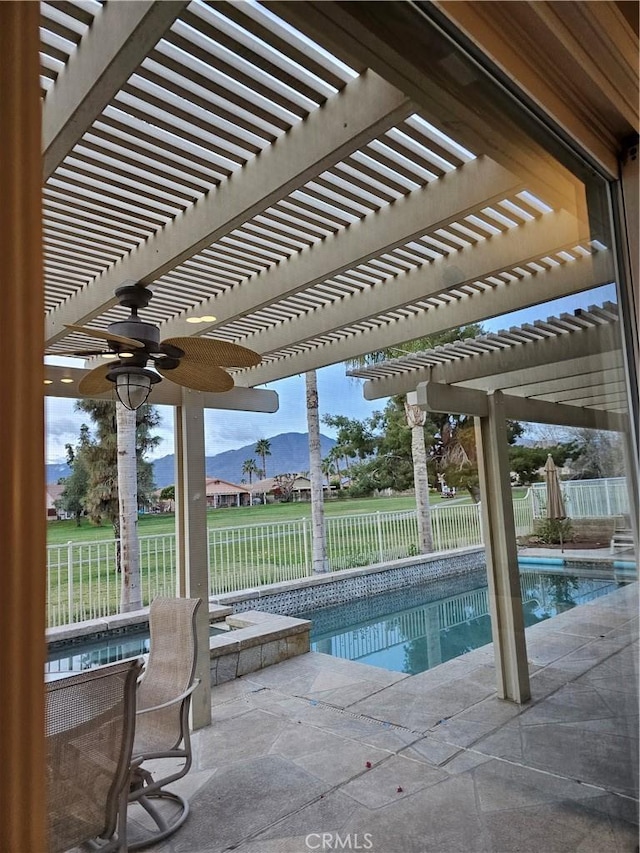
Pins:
x: 325, y: 179
x: 566, y: 370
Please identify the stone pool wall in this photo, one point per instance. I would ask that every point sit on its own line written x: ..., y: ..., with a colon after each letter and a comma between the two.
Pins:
x: 256, y: 641
x: 302, y: 595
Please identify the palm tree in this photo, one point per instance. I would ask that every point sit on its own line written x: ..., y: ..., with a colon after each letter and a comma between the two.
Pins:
x: 331, y: 464
x: 131, y: 591
x: 318, y: 536
x: 416, y: 420
x: 263, y: 449
x: 250, y: 467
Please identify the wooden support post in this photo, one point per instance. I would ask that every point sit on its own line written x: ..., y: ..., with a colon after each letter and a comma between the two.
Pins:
x: 191, y: 535
x: 22, y: 504
x: 505, y: 599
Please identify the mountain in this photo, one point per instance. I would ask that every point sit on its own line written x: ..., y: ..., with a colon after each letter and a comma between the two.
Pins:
x: 289, y: 453
x: 56, y: 470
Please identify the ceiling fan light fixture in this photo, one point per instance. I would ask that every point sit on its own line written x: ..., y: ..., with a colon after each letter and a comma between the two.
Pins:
x: 133, y: 385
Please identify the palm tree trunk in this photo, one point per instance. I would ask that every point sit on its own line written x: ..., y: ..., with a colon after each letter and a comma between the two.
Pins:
x: 319, y: 542
x: 131, y: 594
x: 416, y: 419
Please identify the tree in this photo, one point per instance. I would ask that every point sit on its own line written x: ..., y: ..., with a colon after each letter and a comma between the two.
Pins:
x: 417, y: 422
x: 331, y: 467
x: 250, y: 467
x: 318, y: 535
x: 354, y: 439
x: 131, y: 590
x: 263, y: 449
x: 73, y: 498
x: 284, y: 484
x: 168, y: 493
x: 596, y: 454
x: 100, y: 453
x: 416, y: 419
x: 525, y: 462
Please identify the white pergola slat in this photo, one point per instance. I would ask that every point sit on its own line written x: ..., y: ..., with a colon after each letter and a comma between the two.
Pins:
x: 245, y: 168
x: 567, y: 370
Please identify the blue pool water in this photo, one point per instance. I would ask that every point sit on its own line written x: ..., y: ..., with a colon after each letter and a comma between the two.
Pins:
x: 86, y: 655
x: 414, y: 629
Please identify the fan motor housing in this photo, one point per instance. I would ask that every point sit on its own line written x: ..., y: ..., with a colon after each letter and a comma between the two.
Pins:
x: 135, y: 328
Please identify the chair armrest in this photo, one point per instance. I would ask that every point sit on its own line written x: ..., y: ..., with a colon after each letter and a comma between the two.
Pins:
x: 171, y: 702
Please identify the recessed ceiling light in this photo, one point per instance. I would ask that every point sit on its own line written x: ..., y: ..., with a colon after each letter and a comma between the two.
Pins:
x: 66, y: 380
x: 125, y: 355
x: 48, y: 381
x: 109, y: 355
x: 206, y: 318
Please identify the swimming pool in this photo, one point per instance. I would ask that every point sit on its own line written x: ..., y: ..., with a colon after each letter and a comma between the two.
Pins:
x: 414, y: 629
x: 86, y: 655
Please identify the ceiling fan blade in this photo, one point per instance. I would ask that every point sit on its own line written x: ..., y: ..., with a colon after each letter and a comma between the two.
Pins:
x: 96, y: 382
x: 200, y: 377
x: 107, y: 336
x: 215, y: 353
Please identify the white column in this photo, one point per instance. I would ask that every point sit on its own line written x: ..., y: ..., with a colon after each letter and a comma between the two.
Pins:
x: 505, y: 601
x: 191, y: 538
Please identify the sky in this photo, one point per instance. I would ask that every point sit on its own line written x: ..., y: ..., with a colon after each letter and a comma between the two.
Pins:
x: 337, y: 394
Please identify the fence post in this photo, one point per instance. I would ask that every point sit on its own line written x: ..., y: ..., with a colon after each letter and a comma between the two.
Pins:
x: 379, y: 530
x: 305, y: 546
x: 70, y: 582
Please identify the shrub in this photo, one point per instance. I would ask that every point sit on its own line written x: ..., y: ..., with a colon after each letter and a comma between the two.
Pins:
x: 550, y: 531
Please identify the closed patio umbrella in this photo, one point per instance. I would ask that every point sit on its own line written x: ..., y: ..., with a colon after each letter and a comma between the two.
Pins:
x: 555, y: 501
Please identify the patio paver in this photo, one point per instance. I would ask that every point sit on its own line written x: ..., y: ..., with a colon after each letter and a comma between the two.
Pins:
x: 451, y: 766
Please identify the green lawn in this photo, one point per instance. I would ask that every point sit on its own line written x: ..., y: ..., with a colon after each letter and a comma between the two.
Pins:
x: 61, y: 532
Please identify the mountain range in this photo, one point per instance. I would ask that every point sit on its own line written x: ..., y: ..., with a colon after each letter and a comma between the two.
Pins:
x: 289, y: 454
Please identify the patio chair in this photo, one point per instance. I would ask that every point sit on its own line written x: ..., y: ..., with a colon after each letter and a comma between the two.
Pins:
x: 90, y: 720
x: 162, y: 720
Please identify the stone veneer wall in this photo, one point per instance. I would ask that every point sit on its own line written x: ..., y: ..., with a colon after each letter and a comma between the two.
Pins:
x: 300, y: 596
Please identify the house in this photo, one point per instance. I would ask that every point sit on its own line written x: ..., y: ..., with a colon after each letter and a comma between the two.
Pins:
x: 277, y: 488
x: 52, y: 494
x: 221, y: 493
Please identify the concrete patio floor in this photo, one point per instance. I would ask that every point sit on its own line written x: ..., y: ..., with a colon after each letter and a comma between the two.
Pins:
x: 435, y: 763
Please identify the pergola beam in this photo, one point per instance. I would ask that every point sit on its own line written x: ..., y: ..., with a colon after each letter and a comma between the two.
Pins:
x: 573, y: 369
x: 453, y: 196
x: 365, y: 108
x: 542, y: 236
x: 564, y: 383
x: 394, y: 39
x: 546, y: 351
x: 561, y: 281
x: 457, y: 400
x: 115, y: 45
x: 167, y: 393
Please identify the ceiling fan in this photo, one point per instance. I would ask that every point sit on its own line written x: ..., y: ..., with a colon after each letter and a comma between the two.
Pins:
x: 194, y: 362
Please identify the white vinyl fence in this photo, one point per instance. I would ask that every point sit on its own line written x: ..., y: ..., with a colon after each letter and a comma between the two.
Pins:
x: 83, y: 583
x: 605, y: 498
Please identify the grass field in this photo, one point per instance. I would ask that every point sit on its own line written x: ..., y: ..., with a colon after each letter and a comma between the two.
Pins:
x: 61, y: 532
